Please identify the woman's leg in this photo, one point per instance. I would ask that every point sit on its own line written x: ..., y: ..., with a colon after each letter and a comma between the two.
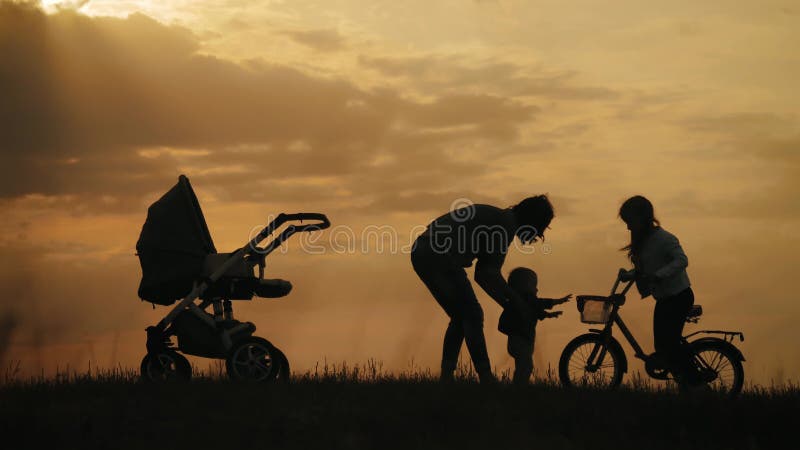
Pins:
x: 451, y: 347
x: 668, y: 321
x: 436, y: 281
x: 472, y: 320
x: 451, y: 288
x: 454, y: 292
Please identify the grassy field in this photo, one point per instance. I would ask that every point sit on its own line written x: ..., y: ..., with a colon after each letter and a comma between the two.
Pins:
x: 360, y: 407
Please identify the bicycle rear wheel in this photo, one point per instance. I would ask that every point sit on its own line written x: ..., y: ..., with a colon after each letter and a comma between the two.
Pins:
x: 588, y: 362
x: 721, y: 363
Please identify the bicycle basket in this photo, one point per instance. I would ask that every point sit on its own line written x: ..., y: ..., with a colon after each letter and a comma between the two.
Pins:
x: 595, y: 311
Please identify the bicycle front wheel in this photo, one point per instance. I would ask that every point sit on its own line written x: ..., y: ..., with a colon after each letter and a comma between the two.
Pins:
x: 588, y: 362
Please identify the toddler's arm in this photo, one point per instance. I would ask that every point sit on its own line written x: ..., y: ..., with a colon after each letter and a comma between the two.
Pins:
x: 549, y: 303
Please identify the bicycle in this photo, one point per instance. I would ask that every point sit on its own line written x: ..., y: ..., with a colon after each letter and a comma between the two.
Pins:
x: 597, y: 359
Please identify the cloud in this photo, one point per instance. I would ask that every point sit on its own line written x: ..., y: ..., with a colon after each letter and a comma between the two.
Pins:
x: 319, y: 40
x: 764, y: 148
x: 390, y: 202
x: 739, y: 124
x: 436, y: 73
x: 64, y: 5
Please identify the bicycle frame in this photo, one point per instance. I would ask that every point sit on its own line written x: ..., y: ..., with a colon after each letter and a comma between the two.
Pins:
x: 606, y: 332
x: 615, y: 319
x: 599, y: 359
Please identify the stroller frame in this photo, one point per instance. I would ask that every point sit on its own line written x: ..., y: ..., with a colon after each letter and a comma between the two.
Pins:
x: 158, y: 336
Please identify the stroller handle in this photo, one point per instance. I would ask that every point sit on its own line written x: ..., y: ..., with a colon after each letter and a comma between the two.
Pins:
x: 322, y: 221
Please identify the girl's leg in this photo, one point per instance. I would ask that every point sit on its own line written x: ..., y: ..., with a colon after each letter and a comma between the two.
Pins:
x: 668, y: 321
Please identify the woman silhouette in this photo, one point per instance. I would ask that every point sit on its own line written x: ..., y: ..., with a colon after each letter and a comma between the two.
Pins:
x: 660, y: 270
x: 480, y: 234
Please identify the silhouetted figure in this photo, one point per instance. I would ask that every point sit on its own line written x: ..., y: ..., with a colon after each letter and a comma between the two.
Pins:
x: 660, y: 270
x: 521, y: 332
x: 451, y: 243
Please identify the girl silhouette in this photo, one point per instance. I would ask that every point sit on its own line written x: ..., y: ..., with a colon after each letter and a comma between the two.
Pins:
x: 660, y: 270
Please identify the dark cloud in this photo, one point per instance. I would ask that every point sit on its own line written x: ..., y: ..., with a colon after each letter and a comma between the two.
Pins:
x: 426, y: 201
x: 784, y: 150
x: 770, y: 143
x: 739, y: 124
x: 89, y: 98
x: 437, y: 73
x: 319, y: 40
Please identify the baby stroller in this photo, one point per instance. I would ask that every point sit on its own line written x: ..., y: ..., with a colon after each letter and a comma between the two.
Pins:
x: 180, y: 264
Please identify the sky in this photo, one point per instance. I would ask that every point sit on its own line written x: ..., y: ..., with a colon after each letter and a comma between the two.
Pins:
x: 384, y: 115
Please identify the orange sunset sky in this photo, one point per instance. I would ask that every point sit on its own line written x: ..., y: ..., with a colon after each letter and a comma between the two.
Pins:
x: 383, y: 113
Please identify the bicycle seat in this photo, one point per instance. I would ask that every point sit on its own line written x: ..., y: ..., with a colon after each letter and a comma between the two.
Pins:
x: 696, y: 311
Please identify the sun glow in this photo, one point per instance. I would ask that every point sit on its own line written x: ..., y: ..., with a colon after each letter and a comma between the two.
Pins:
x: 53, y: 6
x: 105, y: 8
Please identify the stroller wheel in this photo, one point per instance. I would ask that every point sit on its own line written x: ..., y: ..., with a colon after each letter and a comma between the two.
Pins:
x: 253, y: 359
x: 165, y: 366
x: 283, y: 372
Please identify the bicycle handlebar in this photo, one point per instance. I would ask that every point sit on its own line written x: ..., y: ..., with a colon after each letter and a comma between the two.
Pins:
x: 619, y: 279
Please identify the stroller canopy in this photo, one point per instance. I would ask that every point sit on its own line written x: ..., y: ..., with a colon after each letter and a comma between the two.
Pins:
x: 172, y: 245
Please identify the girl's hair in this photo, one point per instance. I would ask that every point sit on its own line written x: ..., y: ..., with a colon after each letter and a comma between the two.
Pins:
x: 518, y: 276
x: 638, y: 208
x: 536, y: 212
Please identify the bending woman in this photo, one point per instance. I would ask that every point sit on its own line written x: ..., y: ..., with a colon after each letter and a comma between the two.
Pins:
x: 454, y: 241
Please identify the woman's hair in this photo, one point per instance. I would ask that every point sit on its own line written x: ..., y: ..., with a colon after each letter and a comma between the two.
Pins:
x: 518, y: 277
x: 536, y: 212
x: 638, y: 208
